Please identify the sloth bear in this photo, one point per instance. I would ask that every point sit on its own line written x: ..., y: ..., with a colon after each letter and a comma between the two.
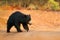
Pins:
x: 17, y: 18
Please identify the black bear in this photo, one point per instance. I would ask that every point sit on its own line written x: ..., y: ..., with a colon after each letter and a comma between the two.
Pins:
x: 17, y: 18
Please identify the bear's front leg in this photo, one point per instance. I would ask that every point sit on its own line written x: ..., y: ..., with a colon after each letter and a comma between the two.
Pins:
x: 17, y: 26
x: 25, y: 26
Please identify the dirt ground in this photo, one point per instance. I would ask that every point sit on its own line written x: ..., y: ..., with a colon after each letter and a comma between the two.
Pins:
x: 45, y: 26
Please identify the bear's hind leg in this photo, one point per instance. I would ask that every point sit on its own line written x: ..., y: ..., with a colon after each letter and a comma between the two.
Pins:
x: 8, y: 28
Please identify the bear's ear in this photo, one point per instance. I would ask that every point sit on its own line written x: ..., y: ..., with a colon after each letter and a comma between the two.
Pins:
x: 29, y: 15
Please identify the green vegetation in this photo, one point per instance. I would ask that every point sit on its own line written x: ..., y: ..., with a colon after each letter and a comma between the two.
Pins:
x: 53, y: 5
x: 32, y: 4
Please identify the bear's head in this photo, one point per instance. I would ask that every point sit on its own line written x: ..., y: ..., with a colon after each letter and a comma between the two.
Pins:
x: 28, y: 19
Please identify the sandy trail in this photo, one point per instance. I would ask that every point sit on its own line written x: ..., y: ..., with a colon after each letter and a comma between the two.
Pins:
x: 31, y: 35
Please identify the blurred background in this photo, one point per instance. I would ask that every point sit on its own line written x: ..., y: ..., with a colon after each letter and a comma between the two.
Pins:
x: 30, y: 4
